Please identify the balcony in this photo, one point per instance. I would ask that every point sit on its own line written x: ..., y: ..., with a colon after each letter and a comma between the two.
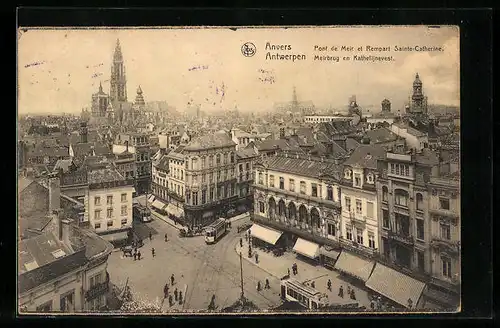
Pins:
x: 443, y: 212
x: 401, y: 237
x: 449, y: 245
x: 356, y: 218
x: 175, y: 196
x: 98, y: 289
x: 291, y: 195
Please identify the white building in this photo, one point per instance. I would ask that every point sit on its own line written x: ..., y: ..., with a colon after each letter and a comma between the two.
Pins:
x: 312, y: 119
x: 414, y: 139
x: 108, y: 204
x: 359, y: 198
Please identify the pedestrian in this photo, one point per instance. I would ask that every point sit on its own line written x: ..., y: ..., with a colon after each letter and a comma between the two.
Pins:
x: 267, y: 286
x: 341, y: 291
x: 241, y: 242
x: 288, y: 272
x: 135, y: 256
x: 296, y: 268
x: 172, y: 279
x: 180, y: 297
x: 139, y: 255
x: 166, y: 237
x: 329, y: 285
x: 256, y: 258
x: 170, y: 300
x: 353, y: 295
x: 372, y: 305
x: 153, y: 252
x: 258, y: 286
x: 176, y: 294
x: 313, y: 284
x: 165, y: 291
x: 410, y: 303
x: 150, y: 236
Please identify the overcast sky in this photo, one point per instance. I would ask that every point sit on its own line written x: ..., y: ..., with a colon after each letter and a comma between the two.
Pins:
x: 58, y: 70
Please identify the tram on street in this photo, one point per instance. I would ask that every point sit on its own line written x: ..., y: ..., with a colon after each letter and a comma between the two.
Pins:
x: 141, y: 213
x: 308, y: 297
x: 215, y: 230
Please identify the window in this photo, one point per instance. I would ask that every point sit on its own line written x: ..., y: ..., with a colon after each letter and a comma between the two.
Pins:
x: 124, y: 221
x: 210, y: 161
x: 331, y: 229
x: 385, y: 194
x: 218, y: 176
x: 420, y: 261
x: 232, y: 158
x: 446, y: 266
x: 182, y: 175
x: 359, y: 236
x: 109, y: 213
x: 217, y: 159
x: 110, y: 223
x: 248, y: 175
x: 109, y: 200
x: 211, y: 177
x: 357, y: 180
x: 124, y: 197
x: 261, y: 207
x: 202, y: 162
x: 420, y: 202
x: 445, y: 231
x: 420, y: 229
x: 194, y: 164
x: 401, y: 197
x: 348, y: 232
x: 97, y: 226
x: 241, y: 167
x: 397, y: 169
x: 203, y: 196
x: 195, y: 178
x: 385, y: 219
x: 219, y: 193
x: 369, y: 209
x: 444, y: 203
x: 347, y: 204
x: 211, y: 194
x: 45, y: 307
x: 359, y: 206
x: 261, y: 180
x: 247, y: 166
x: 271, y: 181
x: 232, y: 173
x: 292, y: 184
x: 369, y: 178
x: 195, y: 198
x: 407, y: 170
x: 371, y: 240
x: 188, y: 197
x: 97, y: 214
x: 282, y: 183
x: 347, y: 174
x: 203, y: 178
x: 124, y: 210
x: 329, y: 193
x: 314, y: 190
x: 302, y: 187
x: 227, y: 191
x: 97, y: 201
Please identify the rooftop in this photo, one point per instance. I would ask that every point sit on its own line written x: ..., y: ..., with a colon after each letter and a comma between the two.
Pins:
x: 104, y: 175
x: 299, y: 166
x: 366, y: 156
x: 215, y: 140
x: 381, y: 135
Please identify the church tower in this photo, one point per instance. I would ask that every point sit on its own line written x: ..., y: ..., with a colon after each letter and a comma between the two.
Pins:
x: 418, y: 100
x: 118, y: 84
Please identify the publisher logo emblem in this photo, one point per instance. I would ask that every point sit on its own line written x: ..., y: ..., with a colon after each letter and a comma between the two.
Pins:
x: 248, y: 49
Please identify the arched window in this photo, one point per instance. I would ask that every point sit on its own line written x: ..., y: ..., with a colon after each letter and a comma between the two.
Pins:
x: 385, y: 194
x: 347, y: 174
x: 202, y: 162
x: 401, y: 197
x: 218, y: 159
x: 420, y: 202
x: 210, y: 161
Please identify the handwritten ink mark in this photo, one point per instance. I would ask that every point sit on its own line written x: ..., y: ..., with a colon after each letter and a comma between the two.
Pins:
x: 35, y: 64
x: 194, y: 68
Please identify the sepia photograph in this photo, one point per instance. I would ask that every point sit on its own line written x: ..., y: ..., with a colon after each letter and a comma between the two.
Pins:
x: 238, y: 170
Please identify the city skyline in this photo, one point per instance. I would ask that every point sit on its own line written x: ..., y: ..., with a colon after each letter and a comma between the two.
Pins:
x: 62, y: 75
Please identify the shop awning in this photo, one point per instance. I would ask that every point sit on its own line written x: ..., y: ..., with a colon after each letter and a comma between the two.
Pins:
x: 174, y: 210
x: 151, y: 198
x: 395, y: 285
x: 333, y: 254
x: 306, y: 248
x: 115, y: 236
x: 354, y: 265
x: 268, y: 235
x: 158, y: 204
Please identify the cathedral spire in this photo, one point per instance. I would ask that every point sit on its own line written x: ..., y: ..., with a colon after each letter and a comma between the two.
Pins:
x: 100, y: 87
x: 118, y: 52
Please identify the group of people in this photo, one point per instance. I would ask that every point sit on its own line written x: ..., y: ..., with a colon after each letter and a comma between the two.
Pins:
x: 177, y: 294
x: 266, y: 286
x: 350, y: 291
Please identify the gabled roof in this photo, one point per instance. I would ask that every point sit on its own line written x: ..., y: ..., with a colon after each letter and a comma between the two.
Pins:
x: 366, y: 156
x: 246, y: 153
x: 63, y: 164
x: 299, y: 166
x: 82, y: 149
x: 381, y: 135
x: 23, y: 183
x: 104, y: 175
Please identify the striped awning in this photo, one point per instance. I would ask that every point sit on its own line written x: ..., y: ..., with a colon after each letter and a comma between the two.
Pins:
x: 115, y: 236
x: 268, y: 235
x: 395, y: 285
x: 174, y: 210
x: 333, y: 254
x: 158, y: 204
x: 151, y: 198
x: 354, y: 265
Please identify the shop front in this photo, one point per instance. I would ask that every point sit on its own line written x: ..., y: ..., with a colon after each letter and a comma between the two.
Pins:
x: 328, y: 256
x: 265, y: 237
x: 307, y: 249
x: 354, y: 266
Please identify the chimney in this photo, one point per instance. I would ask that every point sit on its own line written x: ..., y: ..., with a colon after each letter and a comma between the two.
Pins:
x: 126, y: 145
x: 58, y: 217
x: 54, y: 193
x: 66, y: 231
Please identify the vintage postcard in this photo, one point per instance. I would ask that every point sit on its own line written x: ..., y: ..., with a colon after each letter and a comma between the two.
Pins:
x: 209, y: 170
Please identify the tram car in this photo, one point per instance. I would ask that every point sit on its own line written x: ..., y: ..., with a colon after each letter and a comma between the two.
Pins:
x: 308, y: 297
x: 142, y: 213
x: 215, y: 231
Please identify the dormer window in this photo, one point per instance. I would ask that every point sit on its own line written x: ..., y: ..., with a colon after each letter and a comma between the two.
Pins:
x: 347, y: 174
x: 357, y: 180
x: 369, y: 178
